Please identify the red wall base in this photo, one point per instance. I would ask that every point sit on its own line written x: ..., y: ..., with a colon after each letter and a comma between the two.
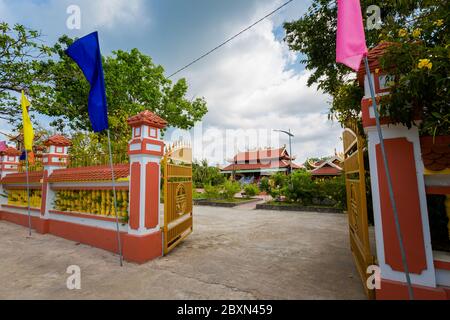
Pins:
x: 142, y: 248
x: 139, y: 249
x: 394, y: 290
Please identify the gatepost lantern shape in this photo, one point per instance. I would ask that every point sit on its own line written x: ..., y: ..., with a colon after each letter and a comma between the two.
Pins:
x: 145, y: 150
x: 403, y: 152
x: 380, y: 80
x: 9, y: 161
x: 57, y: 152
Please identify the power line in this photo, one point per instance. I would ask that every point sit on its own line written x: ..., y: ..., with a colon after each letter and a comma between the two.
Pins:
x: 230, y: 39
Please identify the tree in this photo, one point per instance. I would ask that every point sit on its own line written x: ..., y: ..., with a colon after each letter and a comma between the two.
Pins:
x: 203, y: 174
x: 58, y: 88
x: 133, y: 83
x: 419, y: 30
x: 20, y: 52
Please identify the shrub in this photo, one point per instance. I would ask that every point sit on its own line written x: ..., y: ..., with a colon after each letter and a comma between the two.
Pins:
x: 300, y: 187
x: 279, y: 180
x: 264, y: 184
x: 333, y: 189
x: 276, y: 183
x: 230, y: 188
x: 211, y: 192
x: 251, y: 190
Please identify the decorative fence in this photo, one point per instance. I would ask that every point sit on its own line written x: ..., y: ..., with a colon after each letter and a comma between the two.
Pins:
x: 77, y: 203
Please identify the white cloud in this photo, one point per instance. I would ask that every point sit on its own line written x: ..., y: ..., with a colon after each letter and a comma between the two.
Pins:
x: 248, y: 85
x: 110, y: 13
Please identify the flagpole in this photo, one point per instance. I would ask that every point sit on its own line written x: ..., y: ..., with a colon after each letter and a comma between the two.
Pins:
x: 389, y: 181
x: 115, y: 199
x: 28, y: 192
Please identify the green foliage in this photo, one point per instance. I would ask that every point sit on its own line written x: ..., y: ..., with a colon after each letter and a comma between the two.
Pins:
x: 251, y: 190
x: 334, y: 190
x: 58, y: 88
x: 20, y: 51
x: 212, y: 192
x: 277, y: 182
x: 230, y: 188
x: 264, y: 184
x: 300, y: 187
x: 203, y: 174
x: 419, y: 30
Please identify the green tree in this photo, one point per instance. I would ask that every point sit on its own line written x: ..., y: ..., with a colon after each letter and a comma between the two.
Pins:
x: 58, y: 88
x: 133, y: 83
x: 420, y: 31
x: 203, y: 174
x: 301, y: 187
x: 20, y: 52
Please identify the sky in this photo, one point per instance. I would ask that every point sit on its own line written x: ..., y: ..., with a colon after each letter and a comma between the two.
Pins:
x: 252, y: 85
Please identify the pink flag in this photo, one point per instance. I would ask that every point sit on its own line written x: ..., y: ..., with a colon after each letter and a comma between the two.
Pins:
x: 3, y: 146
x: 351, y: 41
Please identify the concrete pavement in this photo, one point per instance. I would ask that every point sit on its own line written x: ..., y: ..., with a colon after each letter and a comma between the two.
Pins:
x: 232, y: 254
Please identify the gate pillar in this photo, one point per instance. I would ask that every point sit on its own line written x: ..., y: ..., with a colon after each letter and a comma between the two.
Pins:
x: 56, y: 157
x: 407, y: 173
x: 144, y: 238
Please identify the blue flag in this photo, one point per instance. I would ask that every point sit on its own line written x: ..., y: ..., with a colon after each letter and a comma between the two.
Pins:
x: 86, y: 53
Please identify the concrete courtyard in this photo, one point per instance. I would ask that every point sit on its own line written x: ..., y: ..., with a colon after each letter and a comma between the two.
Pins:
x: 235, y: 253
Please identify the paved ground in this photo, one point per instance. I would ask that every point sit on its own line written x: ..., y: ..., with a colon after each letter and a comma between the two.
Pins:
x: 232, y: 254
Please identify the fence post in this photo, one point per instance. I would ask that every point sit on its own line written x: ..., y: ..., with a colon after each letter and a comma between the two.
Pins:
x: 9, y: 163
x: 407, y: 173
x: 144, y: 239
x: 55, y: 157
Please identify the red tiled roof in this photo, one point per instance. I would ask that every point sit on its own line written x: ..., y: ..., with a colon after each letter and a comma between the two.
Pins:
x: 33, y: 177
x: 242, y: 157
x: 148, y: 118
x: 94, y: 173
x: 374, y: 60
x: 326, y: 171
x: 58, y: 140
x: 10, y: 151
x: 255, y: 166
x: 436, y: 154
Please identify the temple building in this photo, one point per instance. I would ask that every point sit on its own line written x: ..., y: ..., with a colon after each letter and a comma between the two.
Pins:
x: 331, y: 167
x: 250, y: 166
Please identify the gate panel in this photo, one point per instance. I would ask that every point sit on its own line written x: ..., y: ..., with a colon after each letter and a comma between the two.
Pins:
x: 357, y: 205
x: 178, y: 219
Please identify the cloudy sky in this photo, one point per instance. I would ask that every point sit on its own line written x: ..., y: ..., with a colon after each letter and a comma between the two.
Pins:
x: 252, y: 85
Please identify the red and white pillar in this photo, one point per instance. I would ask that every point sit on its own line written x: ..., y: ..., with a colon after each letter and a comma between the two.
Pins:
x: 55, y: 157
x: 144, y: 238
x: 407, y: 172
x: 9, y: 163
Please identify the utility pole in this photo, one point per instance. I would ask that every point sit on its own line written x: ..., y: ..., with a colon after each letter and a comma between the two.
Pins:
x: 290, y: 146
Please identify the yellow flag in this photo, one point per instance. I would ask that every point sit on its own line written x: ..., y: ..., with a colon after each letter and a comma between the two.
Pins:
x: 28, y: 133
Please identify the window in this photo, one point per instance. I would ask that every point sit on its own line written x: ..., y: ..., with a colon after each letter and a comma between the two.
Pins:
x: 137, y: 132
x: 152, y: 133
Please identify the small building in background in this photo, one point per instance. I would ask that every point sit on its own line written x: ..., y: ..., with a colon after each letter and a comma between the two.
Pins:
x: 328, y: 168
x: 250, y: 166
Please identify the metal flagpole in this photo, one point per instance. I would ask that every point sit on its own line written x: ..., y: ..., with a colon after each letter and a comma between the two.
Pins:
x: 115, y: 199
x: 389, y: 181
x: 28, y: 191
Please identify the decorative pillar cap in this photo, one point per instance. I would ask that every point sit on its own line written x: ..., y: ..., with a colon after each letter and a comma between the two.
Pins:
x: 373, y: 57
x: 11, y: 151
x: 58, y: 140
x: 147, y: 118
